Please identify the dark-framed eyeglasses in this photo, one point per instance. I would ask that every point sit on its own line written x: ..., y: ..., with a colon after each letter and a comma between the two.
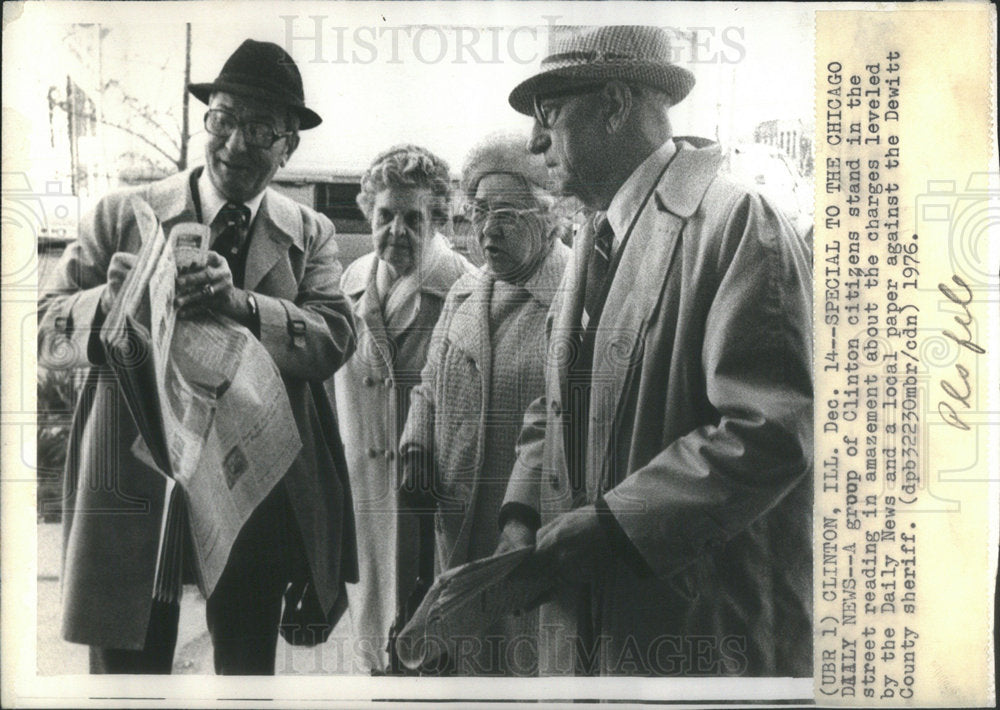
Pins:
x: 543, y: 113
x: 259, y: 134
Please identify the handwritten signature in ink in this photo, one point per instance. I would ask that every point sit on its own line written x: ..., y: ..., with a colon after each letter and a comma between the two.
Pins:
x: 959, y: 394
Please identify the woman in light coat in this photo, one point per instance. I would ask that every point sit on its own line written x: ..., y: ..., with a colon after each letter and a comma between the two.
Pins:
x: 485, y: 366
x: 397, y: 293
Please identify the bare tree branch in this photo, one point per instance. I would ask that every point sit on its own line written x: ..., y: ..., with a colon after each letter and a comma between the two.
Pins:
x: 150, y: 116
x: 140, y: 135
x: 163, y: 134
x: 170, y: 131
x: 142, y: 163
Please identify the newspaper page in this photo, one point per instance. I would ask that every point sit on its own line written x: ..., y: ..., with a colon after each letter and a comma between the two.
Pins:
x: 230, y: 430
x: 464, y: 601
x: 871, y: 125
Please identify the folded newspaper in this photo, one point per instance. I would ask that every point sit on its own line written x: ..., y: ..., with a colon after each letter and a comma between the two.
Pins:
x: 212, y: 411
x: 467, y: 600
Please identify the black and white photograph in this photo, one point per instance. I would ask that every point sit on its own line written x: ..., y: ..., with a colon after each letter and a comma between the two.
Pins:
x: 483, y: 369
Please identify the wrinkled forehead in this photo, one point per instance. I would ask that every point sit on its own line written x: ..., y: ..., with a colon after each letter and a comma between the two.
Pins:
x: 503, y: 187
x: 404, y: 199
x: 248, y: 107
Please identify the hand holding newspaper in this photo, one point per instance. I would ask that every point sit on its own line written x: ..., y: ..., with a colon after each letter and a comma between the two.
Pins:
x: 207, y: 398
x: 465, y: 601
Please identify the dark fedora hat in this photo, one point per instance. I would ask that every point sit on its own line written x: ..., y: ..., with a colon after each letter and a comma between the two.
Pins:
x: 261, y: 70
x: 631, y: 53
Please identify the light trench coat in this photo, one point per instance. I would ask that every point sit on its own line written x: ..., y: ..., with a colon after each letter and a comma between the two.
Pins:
x: 700, y: 441
x: 372, y: 394
x: 113, y: 505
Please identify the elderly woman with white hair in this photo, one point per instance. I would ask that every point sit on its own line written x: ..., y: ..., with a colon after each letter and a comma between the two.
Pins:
x: 484, y: 368
x: 397, y: 293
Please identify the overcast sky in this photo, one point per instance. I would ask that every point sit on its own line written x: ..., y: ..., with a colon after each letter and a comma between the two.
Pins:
x: 432, y: 73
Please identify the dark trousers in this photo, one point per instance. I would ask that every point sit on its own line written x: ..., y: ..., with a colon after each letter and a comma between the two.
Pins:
x: 157, y: 656
x: 244, y: 610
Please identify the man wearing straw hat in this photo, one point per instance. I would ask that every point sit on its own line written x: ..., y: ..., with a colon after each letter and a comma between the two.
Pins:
x: 272, y: 266
x: 666, y: 474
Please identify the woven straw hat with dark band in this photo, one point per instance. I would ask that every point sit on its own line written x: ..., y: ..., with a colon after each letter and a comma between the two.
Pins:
x: 261, y: 70
x: 630, y: 53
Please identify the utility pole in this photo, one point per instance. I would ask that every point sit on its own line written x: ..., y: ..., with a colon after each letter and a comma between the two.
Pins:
x: 183, y: 162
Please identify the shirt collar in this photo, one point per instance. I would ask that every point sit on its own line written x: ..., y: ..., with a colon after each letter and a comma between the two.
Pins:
x: 629, y: 198
x: 212, y: 201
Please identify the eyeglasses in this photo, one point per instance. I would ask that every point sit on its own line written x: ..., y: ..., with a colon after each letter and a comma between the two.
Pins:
x: 478, y: 212
x: 543, y: 114
x: 259, y: 134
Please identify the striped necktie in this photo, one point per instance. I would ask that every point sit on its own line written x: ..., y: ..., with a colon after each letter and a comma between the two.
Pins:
x: 232, y: 222
x: 597, y: 269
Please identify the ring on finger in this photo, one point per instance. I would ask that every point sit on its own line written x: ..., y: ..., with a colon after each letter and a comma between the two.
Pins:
x: 208, y: 290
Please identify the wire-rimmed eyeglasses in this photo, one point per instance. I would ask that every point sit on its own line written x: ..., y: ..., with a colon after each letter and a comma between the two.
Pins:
x: 478, y: 211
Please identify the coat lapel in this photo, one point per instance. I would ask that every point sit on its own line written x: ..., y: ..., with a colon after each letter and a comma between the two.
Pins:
x: 637, y: 289
x: 370, y: 311
x: 278, y: 225
x: 566, y: 312
x: 564, y: 338
x: 468, y: 330
x: 473, y: 329
x: 172, y: 201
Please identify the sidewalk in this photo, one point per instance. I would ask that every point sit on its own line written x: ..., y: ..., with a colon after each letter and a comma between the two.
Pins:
x: 194, y: 646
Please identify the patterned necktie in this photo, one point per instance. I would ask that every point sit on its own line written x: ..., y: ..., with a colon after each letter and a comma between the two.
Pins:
x: 232, y: 222
x: 597, y: 269
x: 580, y: 371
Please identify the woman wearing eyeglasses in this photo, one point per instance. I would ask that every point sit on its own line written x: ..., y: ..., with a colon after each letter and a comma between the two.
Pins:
x: 397, y: 293
x: 484, y: 368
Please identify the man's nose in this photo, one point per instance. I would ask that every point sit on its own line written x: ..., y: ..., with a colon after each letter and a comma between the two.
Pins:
x: 540, y: 140
x: 236, y: 141
x: 397, y: 227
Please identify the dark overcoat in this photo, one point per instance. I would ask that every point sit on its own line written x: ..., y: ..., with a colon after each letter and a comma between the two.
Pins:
x: 113, y: 501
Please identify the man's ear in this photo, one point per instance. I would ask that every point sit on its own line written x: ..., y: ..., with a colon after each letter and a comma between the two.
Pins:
x: 618, y: 101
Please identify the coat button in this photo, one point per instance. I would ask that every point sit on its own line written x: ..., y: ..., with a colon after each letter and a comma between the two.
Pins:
x: 554, y: 481
x: 369, y: 381
x: 390, y: 455
x: 372, y: 453
x: 554, y: 406
x: 387, y: 382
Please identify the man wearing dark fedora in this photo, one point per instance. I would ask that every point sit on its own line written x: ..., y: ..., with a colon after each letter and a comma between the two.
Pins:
x: 665, y: 476
x: 273, y: 268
